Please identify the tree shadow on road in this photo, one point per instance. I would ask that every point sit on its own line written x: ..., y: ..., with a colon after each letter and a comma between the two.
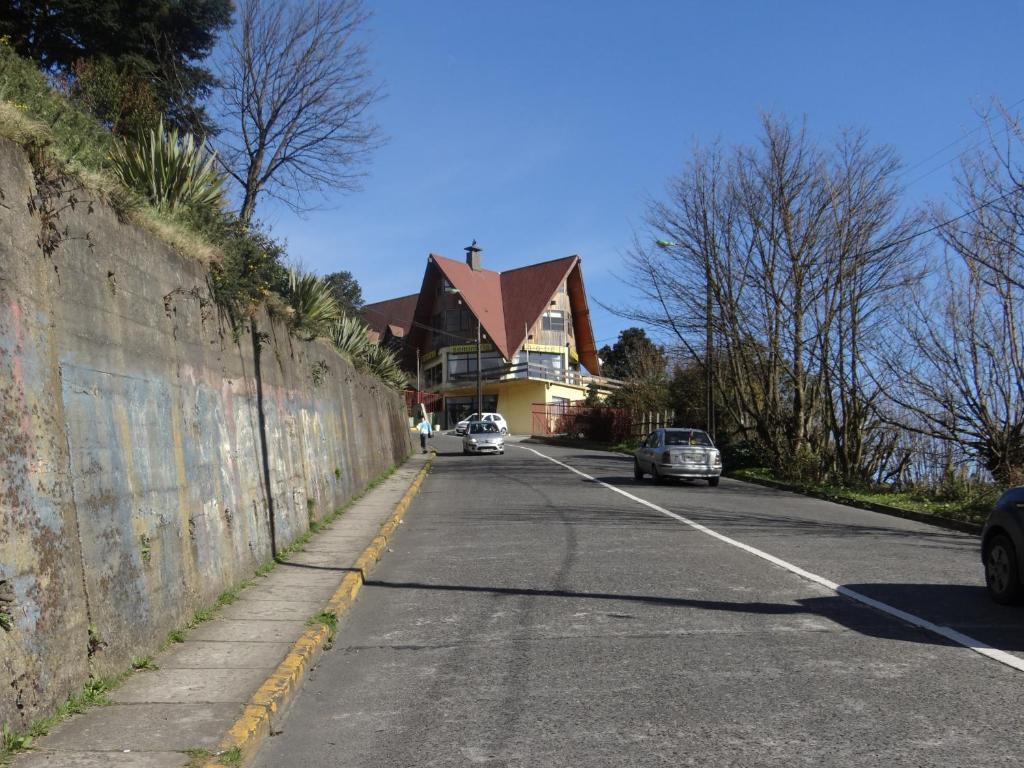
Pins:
x: 965, y: 609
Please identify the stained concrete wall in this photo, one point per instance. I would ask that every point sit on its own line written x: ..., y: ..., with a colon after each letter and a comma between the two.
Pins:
x: 131, y: 477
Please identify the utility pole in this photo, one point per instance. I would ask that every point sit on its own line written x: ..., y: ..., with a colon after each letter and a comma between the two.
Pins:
x: 709, y: 354
x: 479, y: 376
x: 709, y: 341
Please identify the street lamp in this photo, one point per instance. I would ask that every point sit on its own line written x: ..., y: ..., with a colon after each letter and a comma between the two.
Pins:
x: 709, y: 380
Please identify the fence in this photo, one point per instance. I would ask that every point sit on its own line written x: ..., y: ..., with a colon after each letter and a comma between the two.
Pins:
x: 645, y: 423
x: 599, y: 423
x: 608, y: 425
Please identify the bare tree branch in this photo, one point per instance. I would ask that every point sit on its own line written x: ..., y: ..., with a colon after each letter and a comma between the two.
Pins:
x: 296, y: 93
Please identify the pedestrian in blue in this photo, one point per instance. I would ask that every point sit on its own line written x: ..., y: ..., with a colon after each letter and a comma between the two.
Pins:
x: 425, y: 431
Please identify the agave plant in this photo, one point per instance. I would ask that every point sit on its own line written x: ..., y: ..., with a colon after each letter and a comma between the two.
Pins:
x: 381, y: 362
x: 350, y: 338
x: 169, y: 169
x: 315, y: 311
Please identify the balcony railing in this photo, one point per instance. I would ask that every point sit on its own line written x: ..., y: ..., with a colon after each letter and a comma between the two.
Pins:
x: 537, y: 372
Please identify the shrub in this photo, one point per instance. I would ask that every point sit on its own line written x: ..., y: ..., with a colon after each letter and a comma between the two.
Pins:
x: 78, y: 137
x: 169, y: 170
x: 250, y: 269
x: 123, y: 100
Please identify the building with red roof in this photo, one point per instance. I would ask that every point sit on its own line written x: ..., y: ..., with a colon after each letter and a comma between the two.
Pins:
x: 536, y: 343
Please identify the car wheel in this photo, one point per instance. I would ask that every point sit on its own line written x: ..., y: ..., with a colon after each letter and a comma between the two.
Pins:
x: 713, y: 482
x: 504, y: 431
x: 1001, y: 574
x: 638, y: 474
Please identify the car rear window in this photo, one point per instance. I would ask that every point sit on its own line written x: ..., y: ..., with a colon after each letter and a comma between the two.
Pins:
x: 687, y: 437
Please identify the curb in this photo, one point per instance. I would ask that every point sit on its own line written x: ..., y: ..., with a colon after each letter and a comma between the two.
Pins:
x: 907, y: 514
x: 272, y: 698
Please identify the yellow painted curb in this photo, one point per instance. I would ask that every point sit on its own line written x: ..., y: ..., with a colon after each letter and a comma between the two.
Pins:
x: 278, y: 691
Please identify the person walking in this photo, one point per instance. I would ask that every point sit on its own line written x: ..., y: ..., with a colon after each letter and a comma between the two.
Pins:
x: 425, y: 431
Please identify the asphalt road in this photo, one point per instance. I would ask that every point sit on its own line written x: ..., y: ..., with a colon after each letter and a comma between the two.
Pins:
x: 528, y: 616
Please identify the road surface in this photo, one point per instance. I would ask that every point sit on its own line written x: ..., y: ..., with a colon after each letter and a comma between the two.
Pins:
x: 530, y: 616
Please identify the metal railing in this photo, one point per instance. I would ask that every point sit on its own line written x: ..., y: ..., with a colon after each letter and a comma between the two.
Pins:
x: 537, y: 372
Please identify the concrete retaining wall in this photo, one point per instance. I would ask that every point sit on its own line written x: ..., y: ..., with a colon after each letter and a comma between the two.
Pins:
x: 131, y: 476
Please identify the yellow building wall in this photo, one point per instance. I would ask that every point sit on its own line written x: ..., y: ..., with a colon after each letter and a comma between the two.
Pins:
x: 516, y: 399
x: 570, y: 393
x: 515, y: 403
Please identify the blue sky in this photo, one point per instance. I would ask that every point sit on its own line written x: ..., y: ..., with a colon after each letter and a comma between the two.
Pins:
x: 543, y: 128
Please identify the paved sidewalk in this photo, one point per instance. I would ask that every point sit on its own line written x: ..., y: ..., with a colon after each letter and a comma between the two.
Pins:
x: 202, y: 686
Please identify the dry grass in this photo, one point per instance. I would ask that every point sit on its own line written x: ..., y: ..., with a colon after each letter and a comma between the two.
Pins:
x: 176, y: 235
x: 21, y: 129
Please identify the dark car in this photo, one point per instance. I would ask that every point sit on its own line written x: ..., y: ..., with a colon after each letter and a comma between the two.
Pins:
x: 1002, y: 547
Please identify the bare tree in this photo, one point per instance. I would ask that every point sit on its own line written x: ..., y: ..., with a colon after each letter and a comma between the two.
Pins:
x: 990, y: 185
x: 872, y: 261
x: 960, y: 379
x: 800, y: 250
x: 296, y: 92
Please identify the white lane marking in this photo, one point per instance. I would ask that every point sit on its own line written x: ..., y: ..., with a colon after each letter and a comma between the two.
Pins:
x: 959, y: 638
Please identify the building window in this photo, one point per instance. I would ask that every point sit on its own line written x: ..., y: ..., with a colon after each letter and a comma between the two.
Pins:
x: 552, y: 360
x: 432, y: 376
x: 554, y: 320
x: 462, y: 365
x: 458, y: 320
x: 546, y: 365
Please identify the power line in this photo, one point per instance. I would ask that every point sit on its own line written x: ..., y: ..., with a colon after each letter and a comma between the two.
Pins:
x: 449, y: 334
x: 950, y: 145
x: 940, y: 225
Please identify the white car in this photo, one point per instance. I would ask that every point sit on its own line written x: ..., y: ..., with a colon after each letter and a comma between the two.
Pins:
x: 483, y: 437
x: 494, y: 418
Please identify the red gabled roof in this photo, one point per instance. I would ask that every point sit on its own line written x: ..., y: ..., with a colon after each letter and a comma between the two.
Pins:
x: 394, y: 312
x: 527, y: 291
x: 481, y: 290
x: 507, y: 303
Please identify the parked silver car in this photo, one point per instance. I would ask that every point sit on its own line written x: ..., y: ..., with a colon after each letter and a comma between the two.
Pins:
x: 681, y: 453
x: 1002, y: 548
x: 483, y: 437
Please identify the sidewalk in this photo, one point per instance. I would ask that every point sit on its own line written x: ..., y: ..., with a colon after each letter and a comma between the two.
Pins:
x: 234, y: 676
